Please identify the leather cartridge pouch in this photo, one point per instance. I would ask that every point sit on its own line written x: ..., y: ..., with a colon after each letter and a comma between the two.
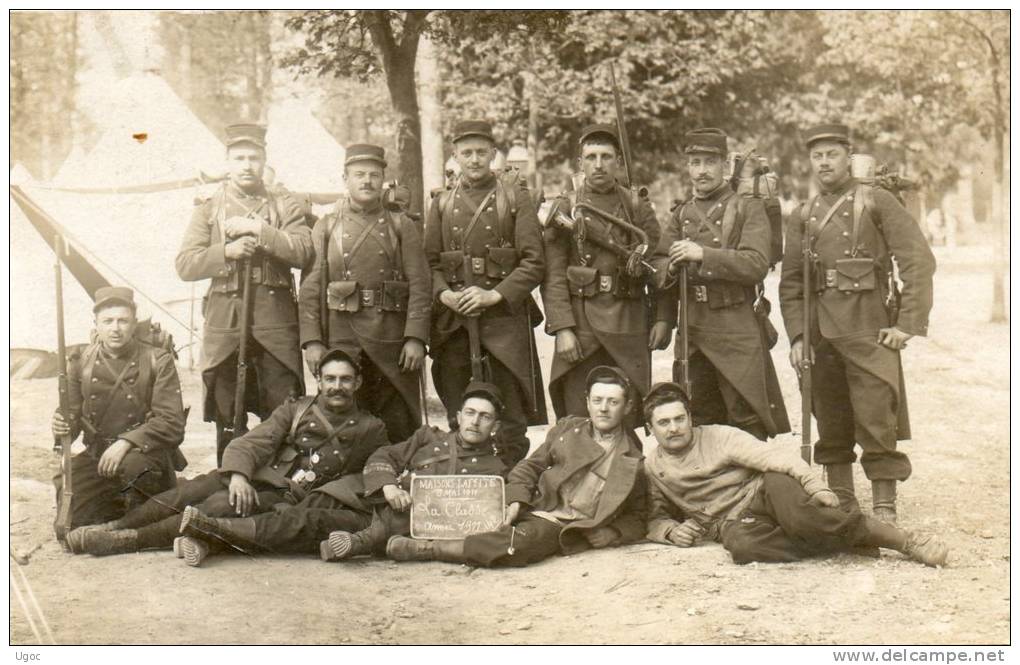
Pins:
x: 452, y: 265
x: 855, y: 274
x: 395, y: 295
x: 725, y: 294
x: 343, y: 296
x: 583, y: 281
x: 277, y: 477
x: 500, y: 262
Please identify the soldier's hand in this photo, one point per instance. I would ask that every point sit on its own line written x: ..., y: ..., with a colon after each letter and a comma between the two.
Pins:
x: 603, y: 536
x: 111, y: 459
x: 475, y: 300
x: 235, y: 227
x: 242, y: 248
x: 60, y: 426
x: 313, y: 352
x: 893, y: 338
x: 451, y: 299
x: 658, y: 336
x: 412, y: 355
x: 797, y: 355
x: 826, y: 498
x: 398, y: 498
x: 568, y: 347
x: 512, y: 511
x: 684, y: 251
x: 243, y: 496
x: 686, y: 534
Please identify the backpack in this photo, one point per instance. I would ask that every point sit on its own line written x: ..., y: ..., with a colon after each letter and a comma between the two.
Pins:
x: 762, y: 183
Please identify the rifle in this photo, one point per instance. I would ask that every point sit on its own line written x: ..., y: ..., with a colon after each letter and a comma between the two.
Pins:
x: 621, y: 127
x: 684, y: 339
x: 64, y: 443
x: 805, y: 362
x: 240, y: 406
x: 480, y: 370
x: 324, y: 283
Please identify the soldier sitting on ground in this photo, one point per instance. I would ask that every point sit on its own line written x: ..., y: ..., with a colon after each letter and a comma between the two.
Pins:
x: 291, y: 458
x: 763, y: 503
x: 336, y: 525
x: 125, y: 398
x: 582, y: 488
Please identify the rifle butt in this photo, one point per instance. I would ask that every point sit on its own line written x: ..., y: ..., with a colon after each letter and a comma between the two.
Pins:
x: 805, y: 411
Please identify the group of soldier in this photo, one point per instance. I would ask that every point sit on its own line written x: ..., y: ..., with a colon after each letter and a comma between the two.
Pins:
x: 330, y: 472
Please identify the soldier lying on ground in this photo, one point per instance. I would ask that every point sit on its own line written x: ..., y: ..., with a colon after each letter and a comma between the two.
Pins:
x: 582, y: 488
x: 338, y: 525
x: 293, y: 457
x: 763, y: 503
x: 125, y: 396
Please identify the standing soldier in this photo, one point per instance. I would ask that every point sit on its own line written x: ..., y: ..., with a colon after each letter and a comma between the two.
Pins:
x: 243, y: 223
x: 484, y: 245
x: 723, y: 240
x: 594, y: 293
x: 125, y: 397
x: 859, y: 320
x: 378, y: 294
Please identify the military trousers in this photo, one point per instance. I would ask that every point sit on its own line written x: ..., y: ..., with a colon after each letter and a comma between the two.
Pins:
x: 158, y: 520
x: 382, y: 399
x: 299, y: 528
x: 716, y: 401
x: 98, y: 499
x: 530, y: 540
x: 268, y: 384
x: 781, y: 524
x: 852, y: 406
x: 451, y: 373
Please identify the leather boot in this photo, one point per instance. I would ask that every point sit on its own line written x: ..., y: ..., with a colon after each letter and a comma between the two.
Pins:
x: 238, y: 533
x: 840, y: 478
x: 75, y: 540
x: 344, y: 544
x: 883, y: 500
x: 99, y: 542
x: 402, y: 548
x: 926, y: 548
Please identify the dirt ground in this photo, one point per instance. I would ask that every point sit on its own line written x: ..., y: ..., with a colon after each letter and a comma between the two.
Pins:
x: 958, y: 385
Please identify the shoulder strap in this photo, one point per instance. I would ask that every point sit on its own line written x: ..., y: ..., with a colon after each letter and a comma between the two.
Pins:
x: 478, y: 215
x: 446, y: 198
x: 732, y: 224
x: 302, y: 405
x: 506, y: 205
x: 88, y: 362
x: 147, y: 373
x: 864, y: 199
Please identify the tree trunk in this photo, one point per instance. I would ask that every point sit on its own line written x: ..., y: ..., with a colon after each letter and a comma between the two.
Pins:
x: 431, y: 118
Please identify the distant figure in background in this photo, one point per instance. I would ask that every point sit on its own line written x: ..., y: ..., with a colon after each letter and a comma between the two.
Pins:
x: 242, y: 221
x: 378, y: 294
x: 860, y: 323
x: 484, y: 246
x: 125, y: 398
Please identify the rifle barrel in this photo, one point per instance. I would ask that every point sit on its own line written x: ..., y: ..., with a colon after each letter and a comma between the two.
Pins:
x: 685, y: 349
x: 805, y: 363
x: 240, y: 403
x: 67, y: 489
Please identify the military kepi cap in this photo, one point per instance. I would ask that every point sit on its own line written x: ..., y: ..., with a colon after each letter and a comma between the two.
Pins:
x: 485, y: 390
x: 832, y: 131
x: 604, y: 374
x: 113, y: 295
x: 706, y: 139
x: 246, y: 132
x: 466, y: 128
x: 365, y: 152
x: 600, y: 129
x: 334, y: 354
x: 665, y: 388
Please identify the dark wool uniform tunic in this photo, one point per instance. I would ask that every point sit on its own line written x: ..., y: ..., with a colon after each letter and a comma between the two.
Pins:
x: 606, y: 308
x: 506, y: 256
x: 283, y: 467
x: 428, y: 452
x: 858, y: 393
x: 733, y: 378
x: 135, y: 395
x: 275, y: 367
x: 379, y: 295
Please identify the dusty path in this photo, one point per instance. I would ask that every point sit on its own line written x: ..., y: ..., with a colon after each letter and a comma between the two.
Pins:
x: 958, y: 382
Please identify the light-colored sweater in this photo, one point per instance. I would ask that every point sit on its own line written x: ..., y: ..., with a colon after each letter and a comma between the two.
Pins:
x: 715, y: 478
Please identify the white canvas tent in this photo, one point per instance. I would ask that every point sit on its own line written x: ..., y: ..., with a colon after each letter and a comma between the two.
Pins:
x: 133, y: 239
x: 304, y: 155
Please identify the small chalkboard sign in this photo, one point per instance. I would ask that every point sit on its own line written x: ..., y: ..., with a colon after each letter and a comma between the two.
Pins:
x: 452, y: 507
